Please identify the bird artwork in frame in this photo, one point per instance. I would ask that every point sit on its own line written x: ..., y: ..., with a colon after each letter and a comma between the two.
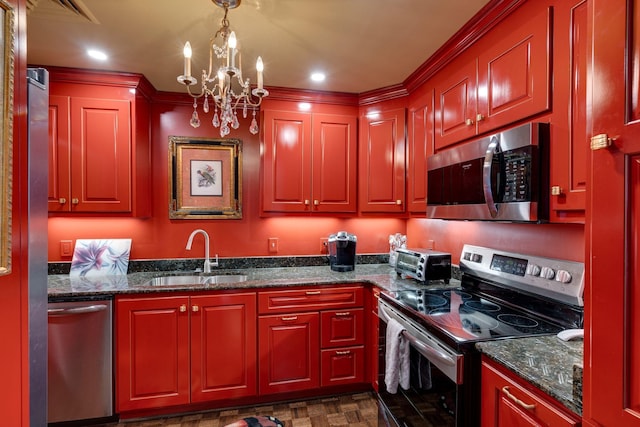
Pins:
x: 205, y: 178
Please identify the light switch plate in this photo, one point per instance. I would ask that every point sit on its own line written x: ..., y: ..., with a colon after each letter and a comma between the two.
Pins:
x: 273, y: 245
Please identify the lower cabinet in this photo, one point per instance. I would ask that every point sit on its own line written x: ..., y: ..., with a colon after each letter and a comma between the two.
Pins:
x: 184, y: 349
x: 508, y: 400
x: 316, y: 339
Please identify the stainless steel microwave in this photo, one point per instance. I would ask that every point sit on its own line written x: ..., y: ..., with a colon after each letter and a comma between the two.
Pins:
x: 501, y: 177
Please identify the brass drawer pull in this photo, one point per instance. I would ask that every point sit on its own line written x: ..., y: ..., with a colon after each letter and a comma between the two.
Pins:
x: 343, y: 353
x: 290, y: 318
x: 344, y: 313
x: 313, y: 292
x: 517, y: 401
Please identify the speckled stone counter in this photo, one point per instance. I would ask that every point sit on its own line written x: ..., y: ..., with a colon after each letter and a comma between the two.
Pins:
x: 62, y: 286
x: 546, y: 362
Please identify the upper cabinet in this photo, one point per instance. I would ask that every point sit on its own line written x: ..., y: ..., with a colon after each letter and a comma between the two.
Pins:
x: 382, y: 162
x: 419, y: 147
x: 503, y: 78
x: 309, y: 162
x: 570, y: 148
x: 99, y: 145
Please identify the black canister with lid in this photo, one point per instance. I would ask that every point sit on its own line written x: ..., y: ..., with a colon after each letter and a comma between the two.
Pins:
x: 342, y: 251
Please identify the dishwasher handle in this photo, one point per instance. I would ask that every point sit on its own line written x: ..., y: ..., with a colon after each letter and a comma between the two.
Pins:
x: 76, y: 310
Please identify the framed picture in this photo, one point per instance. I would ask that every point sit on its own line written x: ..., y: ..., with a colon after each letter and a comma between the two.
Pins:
x: 205, y: 178
x: 6, y: 134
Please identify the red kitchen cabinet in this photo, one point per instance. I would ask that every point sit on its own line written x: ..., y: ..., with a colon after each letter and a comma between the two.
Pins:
x: 503, y: 78
x: 180, y: 350
x: 420, y: 146
x: 152, y: 352
x: 611, y: 395
x: 340, y: 328
x: 289, y: 352
x: 311, y: 338
x: 381, y: 157
x: 99, y: 148
x: 570, y: 144
x: 341, y: 366
x: 374, y: 343
x: 223, y: 346
x: 508, y: 401
x: 309, y: 162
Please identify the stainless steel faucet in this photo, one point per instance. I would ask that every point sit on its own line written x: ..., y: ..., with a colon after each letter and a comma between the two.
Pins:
x: 207, y: 262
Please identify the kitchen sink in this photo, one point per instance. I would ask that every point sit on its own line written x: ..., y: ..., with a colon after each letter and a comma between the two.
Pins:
x: 197, y: 280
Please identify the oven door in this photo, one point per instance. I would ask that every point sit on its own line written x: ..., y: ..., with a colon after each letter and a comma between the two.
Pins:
x: 438, y: 393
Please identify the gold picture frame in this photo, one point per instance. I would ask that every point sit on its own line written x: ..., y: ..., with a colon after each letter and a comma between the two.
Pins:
x: 6, y: 135
x: 205, y: 178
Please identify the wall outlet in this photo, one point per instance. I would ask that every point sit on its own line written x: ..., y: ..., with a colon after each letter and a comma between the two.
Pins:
x: 273, y: 245
x: 324, y: 245
x: 66, y: 247
x: 431, y: 244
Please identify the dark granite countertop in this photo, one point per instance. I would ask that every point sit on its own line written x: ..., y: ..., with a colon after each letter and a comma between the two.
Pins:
x: 381, y: 275
x: 546, y: 362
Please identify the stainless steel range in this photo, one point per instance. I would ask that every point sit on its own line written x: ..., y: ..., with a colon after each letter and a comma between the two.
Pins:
x: 502, y: 295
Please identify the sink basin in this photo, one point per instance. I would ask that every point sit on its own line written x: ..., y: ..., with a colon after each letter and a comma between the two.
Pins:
x: 197, y: 280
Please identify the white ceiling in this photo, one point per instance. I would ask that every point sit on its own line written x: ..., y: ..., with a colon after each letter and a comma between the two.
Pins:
x: 361, y: 45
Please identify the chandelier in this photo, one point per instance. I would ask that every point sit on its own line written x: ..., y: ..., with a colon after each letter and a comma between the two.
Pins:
x: 217, y: 85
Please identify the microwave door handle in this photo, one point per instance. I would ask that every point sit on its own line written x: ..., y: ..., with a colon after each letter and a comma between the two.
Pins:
x: 492, y: 149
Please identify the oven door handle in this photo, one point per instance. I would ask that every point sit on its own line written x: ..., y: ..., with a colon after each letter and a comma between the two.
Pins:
x: 424, y: 349
x: 428, y: 351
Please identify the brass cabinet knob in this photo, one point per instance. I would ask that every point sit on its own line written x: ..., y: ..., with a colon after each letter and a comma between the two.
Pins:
x: 75, y: 201
x: 306, y: 202
x: 556, y: 190
x: 398, y: 202
x: 479, y: 117
x: 183, y: 308
x: 62, y: 200
x: 468, y: 122
x: 316, y: 202
x: 195, y: 308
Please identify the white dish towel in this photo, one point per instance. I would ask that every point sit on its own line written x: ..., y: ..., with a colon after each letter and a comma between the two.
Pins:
x: 396, y: 358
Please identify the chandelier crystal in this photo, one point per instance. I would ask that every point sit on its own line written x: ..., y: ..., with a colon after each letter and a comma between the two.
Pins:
x: 218, y: 84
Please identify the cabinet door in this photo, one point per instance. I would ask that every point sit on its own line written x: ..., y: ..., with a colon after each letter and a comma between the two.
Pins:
x: 612, y: 295
x: 508, y: 403
x: 456, y: 102
x: 289, y: 349
x: 152, y: 352
x: 420, y: 141
x: 341, y: 328
x: 570, y: 148
x: 341, y: 366
x: 286, y: 162
x: 59, y: 154
x: 382, y: 162
x: 514, y: 68
x: 101, y: 155
x: 334, y: 163
x: 223, y: 346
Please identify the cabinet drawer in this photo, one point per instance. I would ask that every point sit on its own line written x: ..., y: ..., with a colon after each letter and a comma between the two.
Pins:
x: 340, y: 328
x: 310, y: 299
x: 343, y: 365
x: 511, y: 401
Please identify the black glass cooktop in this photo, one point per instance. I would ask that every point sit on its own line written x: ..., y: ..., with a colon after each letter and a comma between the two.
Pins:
x: 465, y: 316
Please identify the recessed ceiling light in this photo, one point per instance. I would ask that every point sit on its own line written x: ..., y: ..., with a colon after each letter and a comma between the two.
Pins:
x: 97, y: 54
x: 318, y: 77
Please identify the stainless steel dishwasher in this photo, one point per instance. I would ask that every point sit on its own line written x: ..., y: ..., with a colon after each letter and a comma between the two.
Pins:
x: 80, y: 367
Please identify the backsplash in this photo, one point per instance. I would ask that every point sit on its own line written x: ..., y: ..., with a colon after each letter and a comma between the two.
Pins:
x: 192, y: 264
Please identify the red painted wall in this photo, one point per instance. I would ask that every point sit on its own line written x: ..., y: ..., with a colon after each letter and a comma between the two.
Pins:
x: 159, y: 237
x: 14, y: 357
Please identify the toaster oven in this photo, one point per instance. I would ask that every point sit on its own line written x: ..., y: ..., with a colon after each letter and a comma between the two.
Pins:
x: 423, y: 264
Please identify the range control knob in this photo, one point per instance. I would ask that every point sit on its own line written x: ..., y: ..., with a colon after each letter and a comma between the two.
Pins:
x: 547, y: 273
x: 563, y: 276
x: 533, y: 270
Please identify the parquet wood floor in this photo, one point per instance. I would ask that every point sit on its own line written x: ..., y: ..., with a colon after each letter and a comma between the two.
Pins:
x: 354, y: 410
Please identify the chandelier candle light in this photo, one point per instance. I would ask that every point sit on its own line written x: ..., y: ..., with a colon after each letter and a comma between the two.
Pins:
x: 222, y: 94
